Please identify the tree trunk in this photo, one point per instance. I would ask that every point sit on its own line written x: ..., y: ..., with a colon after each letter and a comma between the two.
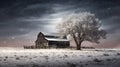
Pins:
x: 79, y: 46
x: 78, y: 42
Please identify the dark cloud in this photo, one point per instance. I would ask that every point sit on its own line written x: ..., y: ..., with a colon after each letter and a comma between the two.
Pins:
x: 12, y: 28
x: 12, y: 16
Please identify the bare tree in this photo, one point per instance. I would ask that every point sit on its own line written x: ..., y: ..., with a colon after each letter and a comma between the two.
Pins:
x: 82, y: 26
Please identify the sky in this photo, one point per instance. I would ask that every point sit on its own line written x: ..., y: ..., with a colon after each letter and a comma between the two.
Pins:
x: 22, y: 20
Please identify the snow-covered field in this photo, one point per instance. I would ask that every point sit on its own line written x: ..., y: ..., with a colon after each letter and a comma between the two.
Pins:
x: 19, y: 57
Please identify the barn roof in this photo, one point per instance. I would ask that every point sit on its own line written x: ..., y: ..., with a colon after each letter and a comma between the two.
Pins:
x: 56, y: 39
x: 53, y: 37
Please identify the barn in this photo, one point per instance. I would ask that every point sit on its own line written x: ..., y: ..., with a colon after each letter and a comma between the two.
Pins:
x: 44, y: 41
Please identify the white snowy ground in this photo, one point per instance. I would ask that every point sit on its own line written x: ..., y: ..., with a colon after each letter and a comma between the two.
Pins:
x: 19, y: 57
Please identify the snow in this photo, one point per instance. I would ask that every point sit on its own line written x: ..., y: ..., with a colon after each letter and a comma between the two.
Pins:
x: 55, y: 39
x: 19, y: 57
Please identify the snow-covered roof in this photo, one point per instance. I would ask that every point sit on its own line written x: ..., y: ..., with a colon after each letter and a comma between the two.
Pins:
x: 51, y: 36
x: 55, y: 39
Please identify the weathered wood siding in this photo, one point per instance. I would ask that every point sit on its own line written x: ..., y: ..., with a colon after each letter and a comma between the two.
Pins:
x: 59, y: 44
x: 41, y: 42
